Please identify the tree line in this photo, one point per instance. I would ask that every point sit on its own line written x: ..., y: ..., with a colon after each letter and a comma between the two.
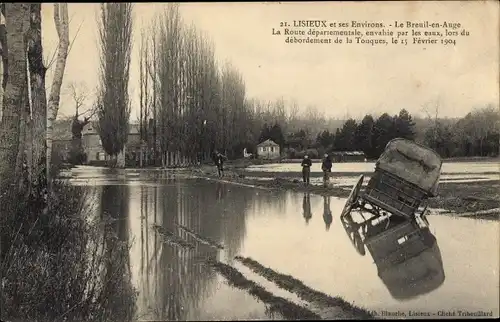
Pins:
x: 192, y: 105
x: 476, y: 134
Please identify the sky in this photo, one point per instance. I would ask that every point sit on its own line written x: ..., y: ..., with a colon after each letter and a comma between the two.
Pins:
x: 338, y: 79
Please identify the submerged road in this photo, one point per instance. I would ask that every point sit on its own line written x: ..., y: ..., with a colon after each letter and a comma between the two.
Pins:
x: 205, y: 250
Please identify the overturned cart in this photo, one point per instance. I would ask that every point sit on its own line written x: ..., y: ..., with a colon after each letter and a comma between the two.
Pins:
x: 389, y: 218
x: 406, y: 175
x: 406, y: 254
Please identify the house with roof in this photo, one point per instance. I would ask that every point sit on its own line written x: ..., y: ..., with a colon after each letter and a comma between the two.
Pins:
x: 268, y: 150
x: 94, y: 151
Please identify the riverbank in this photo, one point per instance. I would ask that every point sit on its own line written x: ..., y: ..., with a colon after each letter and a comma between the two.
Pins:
x: 468, y: 199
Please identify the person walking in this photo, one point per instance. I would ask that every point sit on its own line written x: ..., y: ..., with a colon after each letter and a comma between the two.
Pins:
x: 219, y: 161
x: 306, y: 169
x: 326, y: 166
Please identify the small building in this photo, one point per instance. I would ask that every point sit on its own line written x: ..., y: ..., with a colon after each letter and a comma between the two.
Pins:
x: 268, y: 150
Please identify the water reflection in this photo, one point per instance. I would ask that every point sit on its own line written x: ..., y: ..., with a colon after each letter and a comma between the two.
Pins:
x: 172, y: 281
x: 306, y: 207
x: 406, y: 254
x: 116, y: 274
x: 327, y: 212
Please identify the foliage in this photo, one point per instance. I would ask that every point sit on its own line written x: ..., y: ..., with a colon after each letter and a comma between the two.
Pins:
x: 113, y: 106
x: 273, y: 133
x: 52, y: 245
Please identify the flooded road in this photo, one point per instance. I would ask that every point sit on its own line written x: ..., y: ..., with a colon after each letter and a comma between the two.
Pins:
x: 447, y: 168
x: 176, y: 224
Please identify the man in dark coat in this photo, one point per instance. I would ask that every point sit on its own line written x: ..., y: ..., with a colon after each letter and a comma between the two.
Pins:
x: 219, y: 161
x: 306, y: 169
x: 326, y: 166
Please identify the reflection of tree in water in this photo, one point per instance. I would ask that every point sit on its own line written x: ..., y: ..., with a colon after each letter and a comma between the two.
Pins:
x: 327, y: 212
x: 267, y: 201
x: 230, y: 213
x: 178, y: 282
x: 306, y: 207
x: 117, y: 285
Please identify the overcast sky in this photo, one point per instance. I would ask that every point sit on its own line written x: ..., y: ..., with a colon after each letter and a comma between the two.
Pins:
x: 338, y: 79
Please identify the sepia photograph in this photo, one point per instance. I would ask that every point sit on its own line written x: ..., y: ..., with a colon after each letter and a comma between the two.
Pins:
x: 204, y: 161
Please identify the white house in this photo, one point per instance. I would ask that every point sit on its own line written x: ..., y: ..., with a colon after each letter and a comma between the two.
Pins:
x: 268, y: 150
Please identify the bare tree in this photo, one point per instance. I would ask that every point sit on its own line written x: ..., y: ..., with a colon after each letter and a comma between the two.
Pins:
x: 432, y: 113
x: 17, y: 16
x: 115, y: 35
x: 144, y: 96
x: 62, y: 27
x: 79, y: 94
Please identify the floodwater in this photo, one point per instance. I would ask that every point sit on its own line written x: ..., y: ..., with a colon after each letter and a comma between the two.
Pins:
x: 447, y: 168
x: 296, y: 234
x: 349, y: 181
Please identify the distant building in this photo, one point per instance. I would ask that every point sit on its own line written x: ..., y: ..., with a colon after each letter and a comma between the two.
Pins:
x: 348, y: 156
x: 92, y: 144
x: 268, y: 150
x: 62, y: 146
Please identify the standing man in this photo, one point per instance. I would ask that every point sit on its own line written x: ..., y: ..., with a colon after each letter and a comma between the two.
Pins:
x: 326, y: 166
x: 306, y: 169
x: 219, y: 161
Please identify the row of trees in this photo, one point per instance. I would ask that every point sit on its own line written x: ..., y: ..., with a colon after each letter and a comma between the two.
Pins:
x: 26, y: 114
x: 370, y: 136
x: 476, y: 134
x: 188, y: 104
x: 191, y: 105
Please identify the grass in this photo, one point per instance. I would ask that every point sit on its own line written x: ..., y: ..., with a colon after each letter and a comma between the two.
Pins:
x: 291, y: 284
x: 59, y: 265
x: 285, y: 308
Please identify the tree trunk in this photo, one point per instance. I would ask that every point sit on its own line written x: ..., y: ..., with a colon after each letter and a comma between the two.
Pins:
x: 62, y: 27
x: 17, y: 24
x: 38, y: 96
x: 120, y: 159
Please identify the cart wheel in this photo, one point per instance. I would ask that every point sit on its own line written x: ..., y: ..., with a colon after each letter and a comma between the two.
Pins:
x: 352, y: 232
x: 353, y: 197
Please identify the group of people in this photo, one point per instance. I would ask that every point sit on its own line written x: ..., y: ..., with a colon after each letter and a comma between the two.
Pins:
x: 326, y: 167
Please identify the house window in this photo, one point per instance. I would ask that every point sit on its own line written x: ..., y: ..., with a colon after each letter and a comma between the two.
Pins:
x: 264, y: 149
x: 271, y: 149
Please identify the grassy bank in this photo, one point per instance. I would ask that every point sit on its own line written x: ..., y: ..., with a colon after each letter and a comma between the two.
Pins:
x: 59, y: 265
x: 461, y: 198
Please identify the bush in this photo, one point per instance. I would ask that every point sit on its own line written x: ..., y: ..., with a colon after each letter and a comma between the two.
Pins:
x: 53, y: 262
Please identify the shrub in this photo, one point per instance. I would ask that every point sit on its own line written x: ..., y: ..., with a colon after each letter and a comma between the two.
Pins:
x: 53, y: 262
